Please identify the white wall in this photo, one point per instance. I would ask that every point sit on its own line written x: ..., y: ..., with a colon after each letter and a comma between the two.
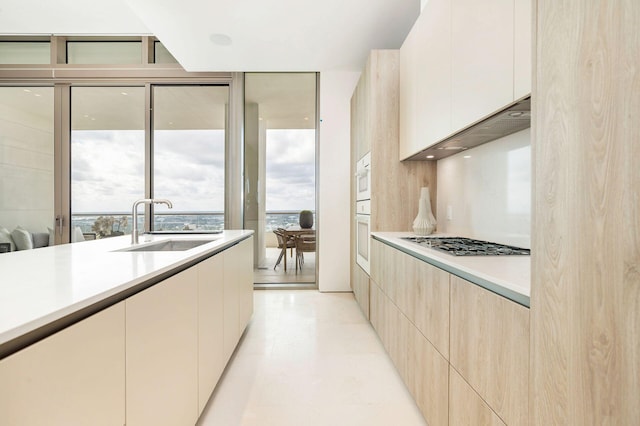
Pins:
x: 489, y: 193
x: 334, y: 219
x: 26, y: 158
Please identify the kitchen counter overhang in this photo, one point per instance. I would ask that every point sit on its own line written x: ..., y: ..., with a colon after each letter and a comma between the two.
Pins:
x: 508, y: 276
x: 45, y: 290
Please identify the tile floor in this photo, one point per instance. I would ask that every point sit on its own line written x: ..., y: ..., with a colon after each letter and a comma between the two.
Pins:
x: 310, y: 358
x: 267, y: 274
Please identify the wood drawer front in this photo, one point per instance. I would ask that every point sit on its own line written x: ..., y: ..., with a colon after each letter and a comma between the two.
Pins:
x: 361, y: 289
x: 465, y: 405
x: 428, y: 378
x: 422, y: 368
x: 419, y: 290
x: 490, y: 348
x: 427, y: 301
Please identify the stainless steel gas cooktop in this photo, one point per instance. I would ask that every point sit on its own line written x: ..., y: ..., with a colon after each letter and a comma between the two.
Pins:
x: 459, y: 246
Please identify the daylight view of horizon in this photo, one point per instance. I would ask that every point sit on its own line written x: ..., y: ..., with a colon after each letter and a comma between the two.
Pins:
x: 107, y: 175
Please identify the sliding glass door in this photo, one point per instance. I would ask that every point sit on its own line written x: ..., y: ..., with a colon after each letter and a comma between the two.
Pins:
x: 27, y: 158
x: 280, y: 173
x: 189, y: 156
x: 107, y: 159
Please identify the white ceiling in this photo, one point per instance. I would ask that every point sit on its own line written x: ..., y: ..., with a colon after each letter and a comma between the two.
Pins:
x: 264, y: 35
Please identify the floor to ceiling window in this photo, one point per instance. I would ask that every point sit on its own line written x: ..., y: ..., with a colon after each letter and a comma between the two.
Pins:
x: 189, y: 156
x: 107, y: 158
x: 125, y: 122
x: 26, y: 158
x: 280, y: 172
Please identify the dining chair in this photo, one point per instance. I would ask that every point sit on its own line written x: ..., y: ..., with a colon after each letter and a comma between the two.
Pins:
x: 284, y: 243
x: 305, y: 243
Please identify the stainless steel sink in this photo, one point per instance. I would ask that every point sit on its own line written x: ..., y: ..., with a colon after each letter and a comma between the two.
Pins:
x: 169, y: 245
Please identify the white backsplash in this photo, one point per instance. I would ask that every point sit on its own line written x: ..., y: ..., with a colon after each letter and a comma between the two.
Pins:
x: 488, y: 195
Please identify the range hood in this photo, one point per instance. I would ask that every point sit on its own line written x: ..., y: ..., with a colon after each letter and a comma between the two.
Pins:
x: 510, y: 119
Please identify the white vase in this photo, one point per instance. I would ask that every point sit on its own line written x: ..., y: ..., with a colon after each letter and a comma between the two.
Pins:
x: 425, y: 222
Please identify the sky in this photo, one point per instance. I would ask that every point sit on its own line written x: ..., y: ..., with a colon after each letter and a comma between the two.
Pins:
x: 107, y: 169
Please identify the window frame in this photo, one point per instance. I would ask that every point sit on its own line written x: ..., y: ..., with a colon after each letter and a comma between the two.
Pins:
x: 63, y: 76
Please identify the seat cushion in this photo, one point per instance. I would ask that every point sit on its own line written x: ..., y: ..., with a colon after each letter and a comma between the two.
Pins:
x: 22, y: 239
x: 5, y: 237
x: 40, y: 239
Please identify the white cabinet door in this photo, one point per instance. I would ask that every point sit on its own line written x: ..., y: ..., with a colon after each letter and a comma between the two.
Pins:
x: 74, y: 377
x: 162, y: 352
x: 523, y: 50
x: 408, y: 93
x: 244, y: 252
x: 211, y: 359
x: 238, y: 292
x: 425, y: 80
x: 482, y: 62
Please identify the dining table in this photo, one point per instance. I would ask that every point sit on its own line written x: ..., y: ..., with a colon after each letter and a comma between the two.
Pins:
x: 294, y: 232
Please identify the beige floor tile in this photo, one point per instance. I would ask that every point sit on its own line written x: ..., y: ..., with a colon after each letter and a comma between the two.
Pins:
x: 310, y: 358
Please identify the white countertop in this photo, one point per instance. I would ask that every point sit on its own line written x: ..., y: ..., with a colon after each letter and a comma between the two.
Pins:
x: 509, y: 276
x: 46, y: 284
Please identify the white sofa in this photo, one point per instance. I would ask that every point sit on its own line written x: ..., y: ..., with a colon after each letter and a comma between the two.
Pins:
x: 21, y: 239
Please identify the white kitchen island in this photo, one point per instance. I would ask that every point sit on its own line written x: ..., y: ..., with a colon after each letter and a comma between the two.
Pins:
x: 91, y: 334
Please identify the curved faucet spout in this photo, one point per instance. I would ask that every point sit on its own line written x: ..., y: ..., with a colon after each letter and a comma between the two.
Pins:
x: 134, y: 213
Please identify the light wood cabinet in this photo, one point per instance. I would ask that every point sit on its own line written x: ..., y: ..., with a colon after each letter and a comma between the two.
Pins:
x: 211, y: 359
x: 73, y: 377
x: 361, y: 290
x: 420, y: 290
x: 434, y: 324
x: 482, y: 58
x: 162, y: 352
x: 425, y: 80
x: 490, y: 348
x: 374, y: 119
x: 465, y: 405
x: 360, y: 116
x: 422, y: 368
x: 428, y: 378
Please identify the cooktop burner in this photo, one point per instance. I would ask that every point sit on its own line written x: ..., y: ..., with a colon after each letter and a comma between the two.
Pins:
x: 459, y: 246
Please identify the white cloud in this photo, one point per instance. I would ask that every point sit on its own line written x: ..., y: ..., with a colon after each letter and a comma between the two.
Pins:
x: 108, y: 169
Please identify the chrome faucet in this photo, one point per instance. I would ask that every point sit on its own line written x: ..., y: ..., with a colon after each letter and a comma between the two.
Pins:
x: 134, y: 231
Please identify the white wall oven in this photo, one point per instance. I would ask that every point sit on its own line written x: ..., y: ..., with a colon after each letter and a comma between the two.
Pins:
x: 363, y: 178
x: 363, y: 237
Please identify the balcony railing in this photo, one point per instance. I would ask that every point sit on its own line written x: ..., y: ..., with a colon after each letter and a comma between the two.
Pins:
x: 118, y: 223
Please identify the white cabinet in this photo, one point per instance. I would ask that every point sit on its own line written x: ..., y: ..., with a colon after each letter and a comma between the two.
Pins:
x: 462, y: 61
x: 482, y: 58
x: 243, y: 252
x: 162, y: 352
x: 238, y: 293
x: 523, y: 54
x: 73, y: 377
x: 211, y: 358
x: 425, y: 80
x: 152, y: 359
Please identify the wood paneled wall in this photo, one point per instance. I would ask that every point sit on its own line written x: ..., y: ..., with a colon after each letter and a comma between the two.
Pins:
x: 585, y: 296
x: 395, y: 186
